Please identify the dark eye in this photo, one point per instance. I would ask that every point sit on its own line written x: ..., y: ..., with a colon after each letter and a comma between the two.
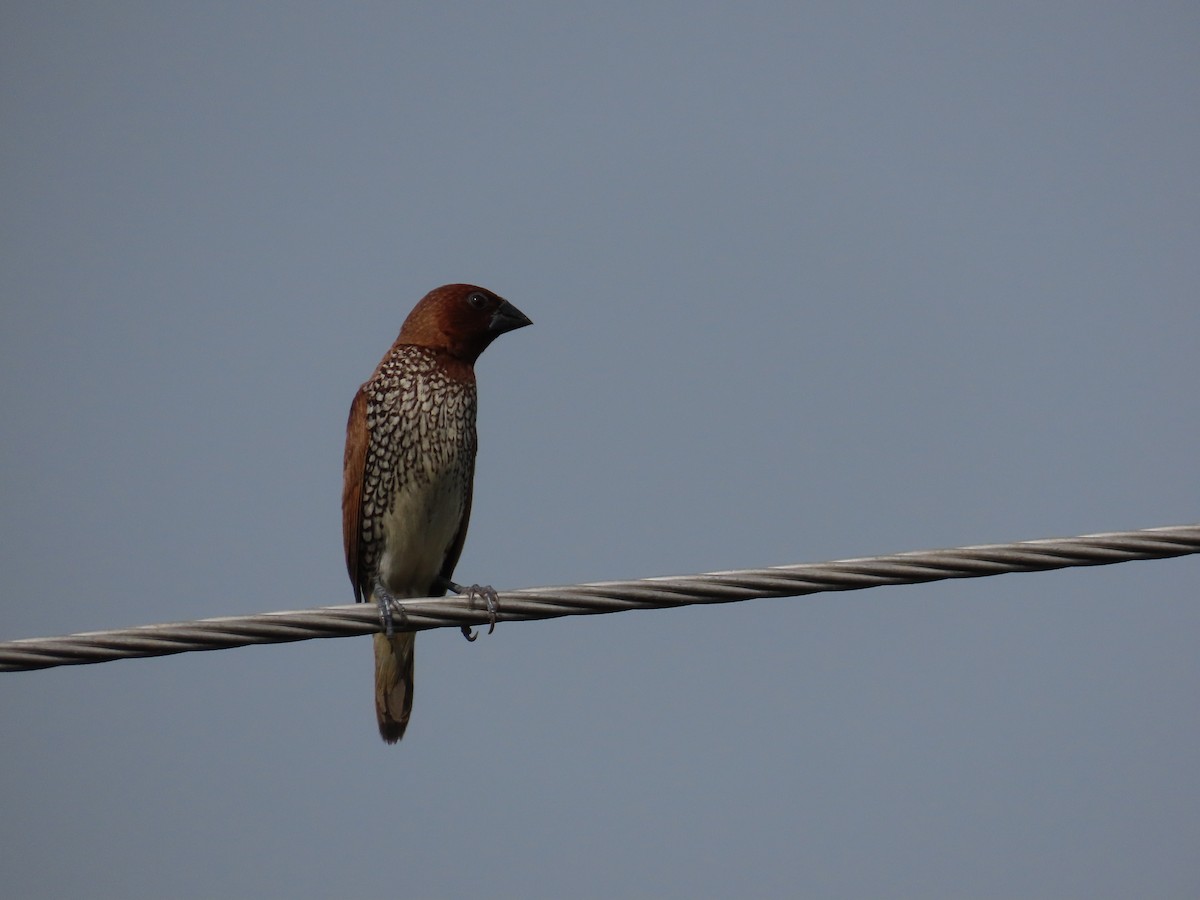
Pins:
x: 477, y: 300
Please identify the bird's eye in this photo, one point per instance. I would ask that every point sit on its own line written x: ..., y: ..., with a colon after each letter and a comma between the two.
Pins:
x: 477, y: 300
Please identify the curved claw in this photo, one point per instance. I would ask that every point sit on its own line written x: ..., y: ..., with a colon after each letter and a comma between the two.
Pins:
x: 488, y: 593
x: 385, y: 601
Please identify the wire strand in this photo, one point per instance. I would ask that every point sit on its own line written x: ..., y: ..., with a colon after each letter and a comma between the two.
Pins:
x: 603, y: 597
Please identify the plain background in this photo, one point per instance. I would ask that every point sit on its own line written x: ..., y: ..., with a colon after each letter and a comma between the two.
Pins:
x: 809, y: 281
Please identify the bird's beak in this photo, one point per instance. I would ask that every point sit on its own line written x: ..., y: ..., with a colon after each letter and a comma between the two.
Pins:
x: 508, y: 318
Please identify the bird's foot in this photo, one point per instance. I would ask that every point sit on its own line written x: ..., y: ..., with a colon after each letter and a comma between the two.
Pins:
x: 386, y: 604
x: 488, y: 593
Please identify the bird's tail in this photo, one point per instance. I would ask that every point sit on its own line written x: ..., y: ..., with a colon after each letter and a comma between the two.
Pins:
x: 393, y: 683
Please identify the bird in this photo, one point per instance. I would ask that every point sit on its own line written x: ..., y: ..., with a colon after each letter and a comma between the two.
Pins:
x: 408, y: 472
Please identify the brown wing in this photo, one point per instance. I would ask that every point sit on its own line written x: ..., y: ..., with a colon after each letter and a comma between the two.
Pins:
x: 353, y: 464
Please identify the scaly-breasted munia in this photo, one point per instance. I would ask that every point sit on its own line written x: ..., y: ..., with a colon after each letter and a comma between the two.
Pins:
x: 409, y: 467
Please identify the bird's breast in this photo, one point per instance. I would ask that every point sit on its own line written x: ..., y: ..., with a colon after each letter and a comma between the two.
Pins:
x: 420, y: 463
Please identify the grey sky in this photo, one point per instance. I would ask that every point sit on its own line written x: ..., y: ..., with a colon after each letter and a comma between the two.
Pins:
x: 808, y: 281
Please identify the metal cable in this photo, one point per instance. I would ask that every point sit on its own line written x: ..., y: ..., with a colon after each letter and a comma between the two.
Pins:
x: 604, y: 597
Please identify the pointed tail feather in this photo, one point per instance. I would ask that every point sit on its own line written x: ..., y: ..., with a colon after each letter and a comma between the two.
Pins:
x: 393, y: 683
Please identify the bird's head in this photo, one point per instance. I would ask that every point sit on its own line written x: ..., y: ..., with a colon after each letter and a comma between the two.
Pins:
x: 461, y: 319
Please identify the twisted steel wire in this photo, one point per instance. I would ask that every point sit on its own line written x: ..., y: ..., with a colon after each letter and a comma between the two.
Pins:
x: 603, y: 597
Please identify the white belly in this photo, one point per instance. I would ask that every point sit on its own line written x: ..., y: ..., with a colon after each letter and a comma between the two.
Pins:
x: 418, y: 532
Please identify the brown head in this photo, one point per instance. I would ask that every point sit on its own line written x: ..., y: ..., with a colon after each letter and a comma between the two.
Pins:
x: 461, y: 319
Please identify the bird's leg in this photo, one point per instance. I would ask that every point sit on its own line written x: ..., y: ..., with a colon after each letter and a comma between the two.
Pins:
x: 386, y: 603
x: 487, y: 592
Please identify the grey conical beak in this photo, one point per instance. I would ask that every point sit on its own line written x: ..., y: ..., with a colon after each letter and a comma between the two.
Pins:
x: 508, y: 318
